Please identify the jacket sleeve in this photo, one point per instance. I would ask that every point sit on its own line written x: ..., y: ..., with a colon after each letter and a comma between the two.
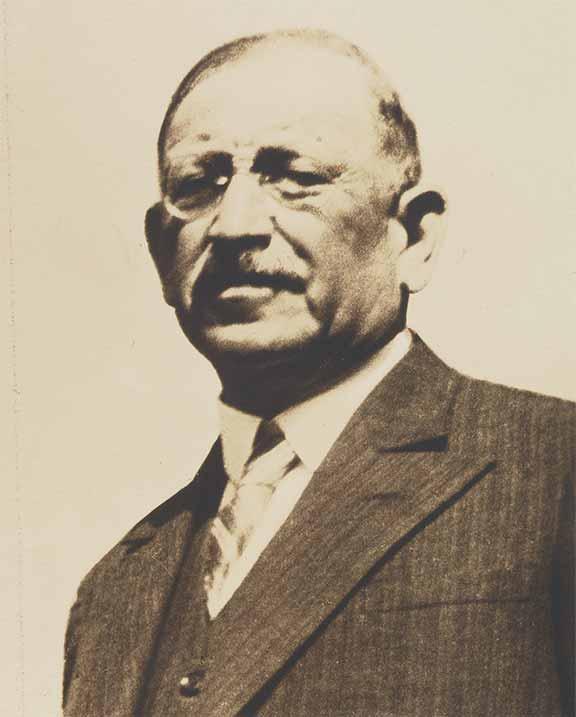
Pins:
x: 71, y: 643
x: 563, y: 597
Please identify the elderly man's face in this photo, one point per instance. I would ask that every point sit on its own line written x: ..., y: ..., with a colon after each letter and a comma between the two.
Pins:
x: 282, y: 196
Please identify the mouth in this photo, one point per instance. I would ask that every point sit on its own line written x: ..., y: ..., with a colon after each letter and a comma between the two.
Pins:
x: 250, y: 285
x: 246, y: 292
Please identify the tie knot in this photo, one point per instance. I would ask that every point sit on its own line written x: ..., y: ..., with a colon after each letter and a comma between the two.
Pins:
x: 268, y: 435
x: 271, y: 458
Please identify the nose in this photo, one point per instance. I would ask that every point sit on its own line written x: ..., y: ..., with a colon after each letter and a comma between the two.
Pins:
x: 242, y: 212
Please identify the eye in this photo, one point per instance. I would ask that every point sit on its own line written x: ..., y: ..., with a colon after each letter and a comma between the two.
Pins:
x: 189, y: 186
x: 196, y: 189
x: 294, y: 183
x: 306, y: 179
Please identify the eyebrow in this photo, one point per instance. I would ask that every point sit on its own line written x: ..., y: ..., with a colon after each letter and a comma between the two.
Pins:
x: 280, y: 157
x: 267, y: 157
x: 276, y: 153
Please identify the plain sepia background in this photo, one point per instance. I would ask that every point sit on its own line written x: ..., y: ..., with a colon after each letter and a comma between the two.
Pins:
x: 109, y: 409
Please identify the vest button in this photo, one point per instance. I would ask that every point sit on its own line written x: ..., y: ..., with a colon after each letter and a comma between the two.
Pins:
x: 189, y: 685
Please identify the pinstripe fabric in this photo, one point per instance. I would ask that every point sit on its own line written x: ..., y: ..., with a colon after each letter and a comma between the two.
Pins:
x: 424, y: 573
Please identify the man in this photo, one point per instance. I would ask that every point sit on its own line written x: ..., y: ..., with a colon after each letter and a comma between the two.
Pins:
x: 373, y: 533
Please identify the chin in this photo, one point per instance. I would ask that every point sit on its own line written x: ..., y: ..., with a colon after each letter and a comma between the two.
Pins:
x: 259, y: 340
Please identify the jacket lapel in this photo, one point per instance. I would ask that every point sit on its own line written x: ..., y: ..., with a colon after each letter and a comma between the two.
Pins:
x: 130, y: 613
x: 391, y: 471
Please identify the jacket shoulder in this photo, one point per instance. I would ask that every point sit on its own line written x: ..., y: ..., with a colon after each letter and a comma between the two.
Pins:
x: 485, y: 396
x: 508, y: 417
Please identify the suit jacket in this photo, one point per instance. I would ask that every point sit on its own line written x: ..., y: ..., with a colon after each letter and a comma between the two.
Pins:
x: 425, y: 572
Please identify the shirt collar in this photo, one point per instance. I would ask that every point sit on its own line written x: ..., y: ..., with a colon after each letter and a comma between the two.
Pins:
x: 238, y: 430
x: 311, y: 427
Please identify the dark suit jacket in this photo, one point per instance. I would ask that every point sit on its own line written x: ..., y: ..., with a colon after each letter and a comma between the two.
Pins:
x: 425, y: 572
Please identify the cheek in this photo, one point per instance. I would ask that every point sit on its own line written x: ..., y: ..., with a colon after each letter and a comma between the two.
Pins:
x: 318, y: 230
x: 353, y: 266
x: 364, y: 227
x: 188, y: 254
x: 319, y: 239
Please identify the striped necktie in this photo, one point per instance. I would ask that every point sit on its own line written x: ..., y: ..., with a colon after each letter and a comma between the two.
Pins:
x: 243, y: 504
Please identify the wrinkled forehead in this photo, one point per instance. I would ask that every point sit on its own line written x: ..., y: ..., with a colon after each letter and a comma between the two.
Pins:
x: 302, y: 94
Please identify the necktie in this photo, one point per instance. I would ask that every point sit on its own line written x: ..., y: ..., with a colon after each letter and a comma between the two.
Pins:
x: 243, y: 504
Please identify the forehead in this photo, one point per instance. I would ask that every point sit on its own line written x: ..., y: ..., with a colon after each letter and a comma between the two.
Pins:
x: 305, y: 98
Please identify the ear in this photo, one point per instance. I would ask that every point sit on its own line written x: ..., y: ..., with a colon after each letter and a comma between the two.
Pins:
x: 420, y: 213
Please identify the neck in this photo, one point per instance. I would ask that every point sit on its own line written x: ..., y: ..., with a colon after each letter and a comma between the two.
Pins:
x: 266, y: 387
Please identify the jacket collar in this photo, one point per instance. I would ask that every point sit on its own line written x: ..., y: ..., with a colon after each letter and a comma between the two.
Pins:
x: 413, y: 405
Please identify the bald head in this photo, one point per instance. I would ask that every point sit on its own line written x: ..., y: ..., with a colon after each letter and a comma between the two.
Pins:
x: 396, y: 132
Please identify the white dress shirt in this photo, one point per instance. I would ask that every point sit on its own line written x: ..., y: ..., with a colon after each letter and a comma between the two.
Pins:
x: 311, y: 428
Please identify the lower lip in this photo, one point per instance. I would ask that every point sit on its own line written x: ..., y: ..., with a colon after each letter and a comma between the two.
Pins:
x: 246, y: 293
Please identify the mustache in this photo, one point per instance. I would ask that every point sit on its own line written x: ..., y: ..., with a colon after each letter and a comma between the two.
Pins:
x: 220, y: 272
